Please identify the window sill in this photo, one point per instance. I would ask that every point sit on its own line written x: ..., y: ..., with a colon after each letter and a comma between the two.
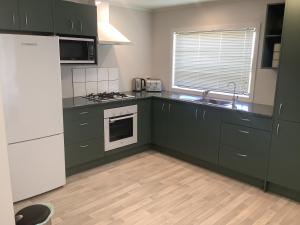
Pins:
x: 214, y: 95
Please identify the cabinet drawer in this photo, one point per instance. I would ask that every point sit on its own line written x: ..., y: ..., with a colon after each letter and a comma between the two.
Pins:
x: 76, y: 131
x: 246, y: 119
x: 245, y: 138
x: 243, y: 161
x: 83, y: 152
x: 82, y: 113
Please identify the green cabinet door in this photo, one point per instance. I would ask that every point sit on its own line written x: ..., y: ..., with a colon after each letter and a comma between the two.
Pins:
x: 9, y: 16
x: 288, y: 95
x: 75, y: 19
x: 63, y: 17
x: 285, y: 155
x: 207, y: 135
x: 182, y: 126
x: 86, y: 20
x: 160, y: 117
x: 289, y: 62
x: 144, y: 122
x: 36, y: 15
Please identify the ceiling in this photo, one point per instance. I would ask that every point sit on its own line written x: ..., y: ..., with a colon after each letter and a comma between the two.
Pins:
x: 155, y: 4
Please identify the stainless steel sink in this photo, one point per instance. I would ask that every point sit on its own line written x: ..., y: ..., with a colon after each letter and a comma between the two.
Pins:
x: 216, y: 102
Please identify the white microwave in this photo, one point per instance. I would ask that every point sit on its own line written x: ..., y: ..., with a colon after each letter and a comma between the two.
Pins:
x: 77, y: 50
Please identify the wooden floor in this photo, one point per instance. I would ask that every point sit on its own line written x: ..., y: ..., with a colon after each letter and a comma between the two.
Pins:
x: 154, y: 189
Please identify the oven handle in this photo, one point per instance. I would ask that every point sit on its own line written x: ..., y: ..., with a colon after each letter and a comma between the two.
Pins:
x: 121, y: 118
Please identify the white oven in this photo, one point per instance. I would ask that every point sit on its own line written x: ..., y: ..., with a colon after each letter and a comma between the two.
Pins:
x: 120, y: 127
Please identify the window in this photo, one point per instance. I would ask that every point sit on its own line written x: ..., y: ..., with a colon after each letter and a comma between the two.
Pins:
x: 211, y: 60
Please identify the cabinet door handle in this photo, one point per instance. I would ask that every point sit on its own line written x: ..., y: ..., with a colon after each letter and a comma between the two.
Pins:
x: 162, y: 107
x: 72, y: 24
x: 26, y: 19
x: 169, y: 107
x: 81, y: 27
x: 244, y: 132
x: 241, y: 155
x: 14, y: 18
x: 196, y: 114
x: 84, y: 146
x: 245, y: 119
x: 84, y: 124
x: 83, y: 113
x: 204, y: 115
x: 277, y: 129
x: 280, y: 109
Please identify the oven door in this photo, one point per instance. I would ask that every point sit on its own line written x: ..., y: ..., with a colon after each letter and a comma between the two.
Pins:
x: 120, y: 131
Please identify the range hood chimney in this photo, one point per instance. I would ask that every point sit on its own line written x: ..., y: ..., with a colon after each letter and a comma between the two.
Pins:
x: 108, y: 34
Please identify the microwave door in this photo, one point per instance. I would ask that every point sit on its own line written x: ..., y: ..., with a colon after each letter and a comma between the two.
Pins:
x: 77, y: 50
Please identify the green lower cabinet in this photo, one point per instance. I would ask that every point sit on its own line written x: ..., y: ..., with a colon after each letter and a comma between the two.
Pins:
x: 144, y: 122
x: 83, y: 152
x: 160, y: 117
x: 181, y: 126
x: 285, y: 155
x: 245, y: 150
x: 187, y: 128
x: 208, y: 132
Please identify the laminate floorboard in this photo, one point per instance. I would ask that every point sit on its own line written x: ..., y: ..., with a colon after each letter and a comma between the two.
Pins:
x: 154, y: 189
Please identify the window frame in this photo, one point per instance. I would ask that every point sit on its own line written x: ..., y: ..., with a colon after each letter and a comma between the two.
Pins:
x: 213, y: 94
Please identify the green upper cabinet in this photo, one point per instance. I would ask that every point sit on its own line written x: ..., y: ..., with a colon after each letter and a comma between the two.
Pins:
x: 9, y: 16
x: 75, y: 19
x: 285, y: 155
x: 36, y: 15
x: 288, y: 94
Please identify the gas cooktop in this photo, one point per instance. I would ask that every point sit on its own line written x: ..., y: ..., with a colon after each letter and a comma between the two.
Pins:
x: 105, y: 97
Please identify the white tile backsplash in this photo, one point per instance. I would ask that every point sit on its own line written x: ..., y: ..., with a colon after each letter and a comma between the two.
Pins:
x: 91, y: 87
x: 79, y: 89
x: 78, y: 75
x: 102, y: 74
x: 113, y: 73
x: 103, y: 86
x: 91, y: 75
x: 95, y: 80
x: 113, y: 86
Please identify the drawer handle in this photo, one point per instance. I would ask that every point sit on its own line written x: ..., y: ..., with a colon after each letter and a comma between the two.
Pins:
x: 245, y: 119
x: 244, y: 132
x: 84, y: 124
x: 84, y: 146
x: 242, y: 155
x: 83, y: 113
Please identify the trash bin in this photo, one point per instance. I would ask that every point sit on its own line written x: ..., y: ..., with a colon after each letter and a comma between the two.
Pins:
x: 39, y: 214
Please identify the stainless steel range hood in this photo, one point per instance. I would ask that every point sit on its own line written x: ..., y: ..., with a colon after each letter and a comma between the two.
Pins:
x: 107, y: 33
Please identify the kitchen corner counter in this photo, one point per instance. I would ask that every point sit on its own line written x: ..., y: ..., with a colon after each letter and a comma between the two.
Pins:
x: 257, y: 109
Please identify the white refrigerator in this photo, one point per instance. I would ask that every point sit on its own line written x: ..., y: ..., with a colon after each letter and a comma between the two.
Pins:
x: 31, y: 83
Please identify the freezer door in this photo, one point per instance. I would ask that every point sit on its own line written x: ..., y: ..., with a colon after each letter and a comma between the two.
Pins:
x: 31, y: 81
x: 36, y: 166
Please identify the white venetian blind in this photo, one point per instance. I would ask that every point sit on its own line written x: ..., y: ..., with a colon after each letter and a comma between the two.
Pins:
x: 210, y: 60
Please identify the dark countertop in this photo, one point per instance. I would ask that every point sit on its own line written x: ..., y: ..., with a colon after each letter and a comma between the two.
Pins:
x: 262, y: 110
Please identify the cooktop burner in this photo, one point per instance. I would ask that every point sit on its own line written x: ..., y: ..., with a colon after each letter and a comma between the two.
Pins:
x: 111, y: 96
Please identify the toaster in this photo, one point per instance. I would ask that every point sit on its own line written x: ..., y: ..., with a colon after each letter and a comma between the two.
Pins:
x: 153, y: 85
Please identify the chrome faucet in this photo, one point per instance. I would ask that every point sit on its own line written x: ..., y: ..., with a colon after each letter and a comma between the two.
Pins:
x: 234, y: 97
x: 205, y: 94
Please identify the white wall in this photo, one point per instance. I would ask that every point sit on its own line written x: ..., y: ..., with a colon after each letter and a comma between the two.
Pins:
x: 133, y: 60
x: 207, y: 14
x: 6, y: 205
